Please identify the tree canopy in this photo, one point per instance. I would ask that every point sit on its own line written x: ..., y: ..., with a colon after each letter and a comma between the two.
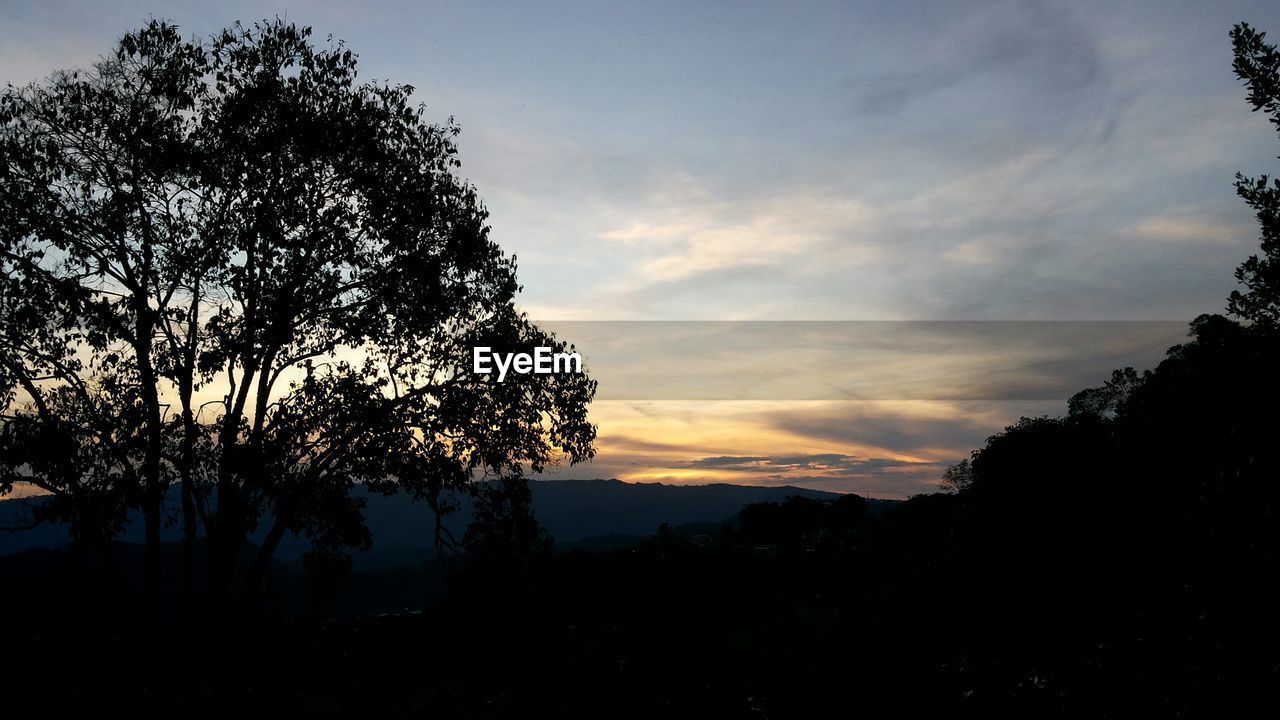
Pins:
x: 1257, y: 64
x: 232, y: 266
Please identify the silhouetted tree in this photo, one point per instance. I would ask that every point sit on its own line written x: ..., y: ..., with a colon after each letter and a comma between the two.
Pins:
x: 1105, y: 400
x: 801, y: 522
x: 1257, y: 63
x: 958, y: 477
x: 1160, y: 492
x: 231, y: 266
x: 504, y: 534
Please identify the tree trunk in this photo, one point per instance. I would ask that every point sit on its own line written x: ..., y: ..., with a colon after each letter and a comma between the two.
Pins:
x: 151, y: 562
x: 262, y: 561
x: 189, y: 431
x: 153, y: 490
x: 226, y: 537
x: 188, y: 510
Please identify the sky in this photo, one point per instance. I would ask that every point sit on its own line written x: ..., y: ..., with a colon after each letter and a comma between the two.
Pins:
x: 784, y: 162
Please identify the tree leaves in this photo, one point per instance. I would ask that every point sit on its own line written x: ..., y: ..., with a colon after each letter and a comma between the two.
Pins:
x: 239, y: 233
x: 1257, y: 63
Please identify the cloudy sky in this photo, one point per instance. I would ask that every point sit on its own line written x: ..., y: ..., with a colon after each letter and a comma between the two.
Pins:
x: 768, y: 161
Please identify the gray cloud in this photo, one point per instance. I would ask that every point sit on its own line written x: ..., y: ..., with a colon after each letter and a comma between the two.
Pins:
x: 833, y: 462
x: 1024, y: 47
x: 868, y: 486
x: 885, y: 360
x: 728, y: 461
x: 964, y: 429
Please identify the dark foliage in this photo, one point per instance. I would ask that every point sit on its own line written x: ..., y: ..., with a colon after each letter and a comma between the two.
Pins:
x: 232, y: 267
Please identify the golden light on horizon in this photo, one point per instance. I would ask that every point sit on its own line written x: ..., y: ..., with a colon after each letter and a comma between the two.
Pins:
x: 884, y: 448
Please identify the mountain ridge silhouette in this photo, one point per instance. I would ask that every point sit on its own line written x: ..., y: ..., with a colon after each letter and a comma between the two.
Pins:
x: 574, y: 512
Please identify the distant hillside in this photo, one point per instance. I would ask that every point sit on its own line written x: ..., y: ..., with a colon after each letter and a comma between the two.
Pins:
x: 571, y: 510
x: 578, y: 509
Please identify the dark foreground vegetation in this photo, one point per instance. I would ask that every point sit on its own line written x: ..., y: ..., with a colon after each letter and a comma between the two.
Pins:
x: 1056, y: 599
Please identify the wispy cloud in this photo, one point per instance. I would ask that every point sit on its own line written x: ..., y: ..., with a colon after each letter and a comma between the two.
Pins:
x: 1196, y: 224
x: 685, y: 232
x: 826, y: 462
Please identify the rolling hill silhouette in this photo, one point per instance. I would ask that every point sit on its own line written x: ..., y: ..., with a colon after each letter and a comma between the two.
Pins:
x: 574, y: 512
